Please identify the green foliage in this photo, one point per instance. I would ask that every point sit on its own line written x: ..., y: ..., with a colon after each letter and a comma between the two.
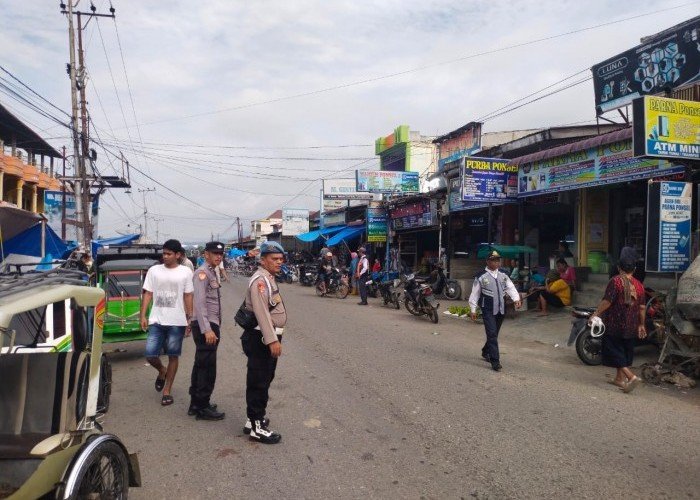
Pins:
x: 463, y: 311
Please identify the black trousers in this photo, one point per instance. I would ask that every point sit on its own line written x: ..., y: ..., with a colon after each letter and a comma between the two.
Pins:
x: 492, y: 325
x: 204, y: 368
x: 361, y: 282
x: 261, y: 373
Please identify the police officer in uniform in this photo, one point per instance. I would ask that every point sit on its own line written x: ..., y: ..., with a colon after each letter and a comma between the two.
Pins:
x: 263, y: 345
x: 206, y: 333
x: 488, y: 293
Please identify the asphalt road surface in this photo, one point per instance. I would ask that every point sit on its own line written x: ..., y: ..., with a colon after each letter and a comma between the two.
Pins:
x: 375, y: 403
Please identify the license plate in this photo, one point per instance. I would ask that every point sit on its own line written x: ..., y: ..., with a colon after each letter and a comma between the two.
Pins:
x: 430, y: 298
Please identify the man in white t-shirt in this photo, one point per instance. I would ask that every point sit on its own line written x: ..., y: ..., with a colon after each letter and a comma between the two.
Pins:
x: 169, y: 287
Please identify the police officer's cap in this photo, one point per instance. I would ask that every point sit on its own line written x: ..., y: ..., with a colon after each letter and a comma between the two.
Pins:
x: 271, y: 247
x: 493, y: 255
x: 214, y: 247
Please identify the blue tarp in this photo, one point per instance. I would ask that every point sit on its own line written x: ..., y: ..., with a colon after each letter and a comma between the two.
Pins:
x: 28, y: 242
x: 314, y: 235
x: 236, y: 252
x: 346, y: 234
x: 117, y: 240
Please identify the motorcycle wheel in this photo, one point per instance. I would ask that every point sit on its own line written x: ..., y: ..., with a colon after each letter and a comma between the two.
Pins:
x: 453, y: 290
x: 589, y: 349
x: 397, y: 303
x: 412, y: 307
x: 320, y: 291
x: 342, y: 291
x: 434, y: 315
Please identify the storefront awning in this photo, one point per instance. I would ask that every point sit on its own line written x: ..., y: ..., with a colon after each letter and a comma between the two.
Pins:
x: 346, y: 234
x: 507, y: 251
x: 593, y: 142
x: 314, y: 235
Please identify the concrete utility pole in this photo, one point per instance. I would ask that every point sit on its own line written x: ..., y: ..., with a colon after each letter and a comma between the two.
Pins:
x: 80, y: 134
x: 145, y: 211
x: 157, y: 221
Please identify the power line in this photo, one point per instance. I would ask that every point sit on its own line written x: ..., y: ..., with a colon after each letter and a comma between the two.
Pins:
x: 418, y: 68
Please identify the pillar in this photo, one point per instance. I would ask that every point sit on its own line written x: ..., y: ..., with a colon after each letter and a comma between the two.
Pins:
x: 34, y: 199
x: 2, y: 185
x: 18, y: 188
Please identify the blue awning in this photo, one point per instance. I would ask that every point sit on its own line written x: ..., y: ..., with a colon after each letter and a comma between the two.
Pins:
x: 346, y: 234
x: 28, y: 242
x: 116, y: 240
x: 314, y: 235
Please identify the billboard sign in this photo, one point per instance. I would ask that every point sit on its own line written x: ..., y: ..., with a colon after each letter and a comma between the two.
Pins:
x: 419, y: 214
x: 454, y: 200
x: 666, y: 128
x: 669, y: 209
x: 294, y: 221
x: 605, y: 164
x: 379, y: 181
x: 464, y: 142
x: 342, y: 189
x: 53, y: 210
x: 667, y: 60
x: 376, y: 225
x: 489, y: 180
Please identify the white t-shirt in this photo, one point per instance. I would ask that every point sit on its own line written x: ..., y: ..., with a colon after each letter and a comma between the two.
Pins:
x: 168, y: 286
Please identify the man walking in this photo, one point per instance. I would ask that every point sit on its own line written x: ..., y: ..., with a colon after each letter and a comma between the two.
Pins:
x: 488, y: 292
x: 263, y: 344
x: 362, y: 274
x: 206, y: 333
x: 169, y: 286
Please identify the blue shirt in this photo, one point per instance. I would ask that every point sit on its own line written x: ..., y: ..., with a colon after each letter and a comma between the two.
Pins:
x: 353, y: 265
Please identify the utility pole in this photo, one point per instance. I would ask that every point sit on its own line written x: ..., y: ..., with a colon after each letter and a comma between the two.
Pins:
x: 80, y: 134
x: 157, y: 221
x: 145, y: 211
x: 238, y: 231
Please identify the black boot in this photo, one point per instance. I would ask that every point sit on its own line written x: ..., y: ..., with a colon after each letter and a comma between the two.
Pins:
x: 210, y: 414
x: 259, y: 433
x: 192, y: 410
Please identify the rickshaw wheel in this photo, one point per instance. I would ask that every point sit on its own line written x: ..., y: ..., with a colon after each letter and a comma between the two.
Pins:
x: 651, y: 373
x: 105, y: 390
x: 104, y: 475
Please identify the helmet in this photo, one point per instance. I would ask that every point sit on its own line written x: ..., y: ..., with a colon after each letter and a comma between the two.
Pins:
x: 329, y: 254
x: 271, y: 247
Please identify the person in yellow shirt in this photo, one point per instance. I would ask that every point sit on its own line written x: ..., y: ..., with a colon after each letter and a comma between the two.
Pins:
x: 555, y: 293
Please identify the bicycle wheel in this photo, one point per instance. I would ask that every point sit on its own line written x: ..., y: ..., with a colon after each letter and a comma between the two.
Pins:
x: 104, y: 474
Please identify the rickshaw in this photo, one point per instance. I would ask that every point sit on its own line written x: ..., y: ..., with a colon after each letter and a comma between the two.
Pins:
x: 54, y: 392
x: 120, y: 271
x: 122, y: 281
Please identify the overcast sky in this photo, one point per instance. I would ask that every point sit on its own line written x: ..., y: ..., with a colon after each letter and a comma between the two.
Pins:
x: 199, y: 71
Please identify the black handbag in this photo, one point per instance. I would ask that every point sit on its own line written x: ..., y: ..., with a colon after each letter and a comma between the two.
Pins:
x: 246, y: 319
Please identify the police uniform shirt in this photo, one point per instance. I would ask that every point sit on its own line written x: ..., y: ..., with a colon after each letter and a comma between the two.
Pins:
x: 266, y: 302
x: 505, y: 285
x: 207, y: 298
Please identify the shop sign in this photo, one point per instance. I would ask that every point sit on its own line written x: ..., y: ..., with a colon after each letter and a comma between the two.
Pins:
x: 333, y: 219
x: 666, y: 128
x: 669, y: 209
x: 665, y: 61
x: 489, y: 180
x: 53, y: 210
x: 605, y: 164
x: 380, y: 181
x: 376, y: 225
x: 294, y: 221
x: 454, y: 199
x: 328, y: 205
x: 464, y: 144
x: 342, y: 189
x: 414, y: 215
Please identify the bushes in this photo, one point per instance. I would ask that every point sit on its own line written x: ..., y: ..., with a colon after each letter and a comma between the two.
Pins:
x: 463, y: 311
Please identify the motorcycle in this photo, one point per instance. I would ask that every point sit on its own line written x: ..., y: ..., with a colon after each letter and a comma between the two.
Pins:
x: 337, y: 284
x: 307, y: 275
x: 288, y: 274
x: 419, y: 299
x: 386, y: 288
x: 589, y: 343
x: 444, y: 287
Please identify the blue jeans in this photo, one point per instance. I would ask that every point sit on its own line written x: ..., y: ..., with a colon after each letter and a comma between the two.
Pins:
x: 166, y: 338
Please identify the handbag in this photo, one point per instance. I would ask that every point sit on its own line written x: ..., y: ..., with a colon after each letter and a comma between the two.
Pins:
x: 245, y: 319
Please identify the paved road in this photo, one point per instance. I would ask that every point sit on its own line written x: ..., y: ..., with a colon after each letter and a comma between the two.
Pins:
x: 374, y: 403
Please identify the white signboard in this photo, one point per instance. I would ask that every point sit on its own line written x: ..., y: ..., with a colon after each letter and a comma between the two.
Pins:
x: 342, y: 189
x: 295, y: 221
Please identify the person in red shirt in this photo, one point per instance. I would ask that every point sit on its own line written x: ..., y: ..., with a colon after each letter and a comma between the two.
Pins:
x: 377, y: 266
x: 566, y: 272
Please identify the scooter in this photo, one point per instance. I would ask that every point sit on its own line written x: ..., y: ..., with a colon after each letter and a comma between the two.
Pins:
x: 589, y: 342
x: 288, y: 274
x: 337, y: 284
x: 444, y: 287
x: 307, y: 275
x: 387, y: 289
x: 419, y: 299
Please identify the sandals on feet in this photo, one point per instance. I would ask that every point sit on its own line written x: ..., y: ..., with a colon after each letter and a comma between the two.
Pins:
x: 167, y: 400
x: 160, y: 383
x: 629, y: 386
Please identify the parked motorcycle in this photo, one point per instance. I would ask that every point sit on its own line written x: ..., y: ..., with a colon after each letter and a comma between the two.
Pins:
x: 419, y: 299
x: 288, y: 274
x: 589, y: 343
x: 307, y: 275
x: 337, y: 285
x: 444, y: 287
x: 386, y: 288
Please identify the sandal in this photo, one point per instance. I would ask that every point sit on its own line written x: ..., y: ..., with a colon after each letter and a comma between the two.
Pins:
x: 629, y: 386
x: 167, y: 400
x: 160, y: 383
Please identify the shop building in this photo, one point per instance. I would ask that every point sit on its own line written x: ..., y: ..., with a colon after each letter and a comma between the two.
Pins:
x: 406, y: 150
